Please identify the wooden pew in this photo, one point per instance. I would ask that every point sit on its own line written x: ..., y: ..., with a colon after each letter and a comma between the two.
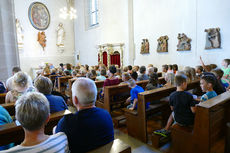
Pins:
x: 111, y: 91
x: 2, y: 98
x: 161, y: 80
x: 227, y: 142
x: 136, y: 121
x: 52, y: 78
x: 116, y: 146
x: 61, y: 81
x: 208, y: 133
x: 12, y: 133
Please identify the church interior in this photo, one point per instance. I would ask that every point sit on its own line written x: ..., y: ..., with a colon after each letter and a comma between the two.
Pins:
x: 160, y: 70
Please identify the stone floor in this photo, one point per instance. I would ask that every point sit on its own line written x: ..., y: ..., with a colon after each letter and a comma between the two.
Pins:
x: 136, y: 145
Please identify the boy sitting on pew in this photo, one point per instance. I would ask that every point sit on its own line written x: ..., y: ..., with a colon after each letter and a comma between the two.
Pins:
x: 182, y: 104
x: 133, y: 99
x: 207, y: 83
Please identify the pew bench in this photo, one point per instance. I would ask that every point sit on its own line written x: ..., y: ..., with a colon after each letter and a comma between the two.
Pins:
x: 136, y: 121
x: 208, y: 133
x: 117, y: 94
x: 10, y: 132
x: 116, y: 146
x: 2, y: 98
x: 10, y: 107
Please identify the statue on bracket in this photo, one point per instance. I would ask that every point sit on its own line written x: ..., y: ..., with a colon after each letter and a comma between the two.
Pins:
x: 162, y: 44
x: 60, y: 37
x: 20, y: 36
x: 212, y: 38
x: 145, y: 46
x: 42, y: 39
x: 183, y: 42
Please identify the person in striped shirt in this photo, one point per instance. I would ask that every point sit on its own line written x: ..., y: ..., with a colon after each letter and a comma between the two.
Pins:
x: 32, y: 112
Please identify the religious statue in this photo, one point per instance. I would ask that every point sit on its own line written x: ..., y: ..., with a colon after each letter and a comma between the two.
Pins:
x: 212, y: 38
x: 162, y: 44
x: 183, y: 42
x: 60, y: 36
x: 42, y: 39
x: 145, y: 46
x: 20, y: 36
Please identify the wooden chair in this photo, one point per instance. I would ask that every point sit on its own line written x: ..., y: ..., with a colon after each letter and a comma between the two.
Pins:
x: 2, y: 98
x: 116, y: 146
x: 209, y: 131
x: 136, y: 121
x: 10, y: 133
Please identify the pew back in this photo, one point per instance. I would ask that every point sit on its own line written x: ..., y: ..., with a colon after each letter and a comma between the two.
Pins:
x: 12, y: 133
x: 139, y: 117
x: 209, y: 127
x: 2, y: 98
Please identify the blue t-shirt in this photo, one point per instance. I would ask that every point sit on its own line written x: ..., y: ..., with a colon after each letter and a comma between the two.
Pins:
x: 134, y: 95
x: 57, y: 103
x: 4, y: 119
x: 87, y: 129
x: 208, y: 95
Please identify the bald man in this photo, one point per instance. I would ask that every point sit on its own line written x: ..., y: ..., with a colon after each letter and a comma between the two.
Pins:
x: 90, y: 127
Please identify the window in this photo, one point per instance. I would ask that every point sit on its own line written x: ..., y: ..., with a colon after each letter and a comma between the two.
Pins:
x: 93, y: 13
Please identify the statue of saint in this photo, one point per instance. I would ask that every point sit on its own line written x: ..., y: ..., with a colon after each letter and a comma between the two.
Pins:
x: 60, y: 35
x: 42, y: 39
x: 20, y: 36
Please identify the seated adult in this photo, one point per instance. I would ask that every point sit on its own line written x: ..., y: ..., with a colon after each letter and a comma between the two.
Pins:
x: 32, y: 112
x: 4, y: 119
x: 90, y: 127
x: 153, y: 81
x: 10, y: 81
x: 44, y: 85
x: 20, y: 86
x: 142, y: 75
x: 134, y: 75
x: 125, y: 78
x: 112, y: 79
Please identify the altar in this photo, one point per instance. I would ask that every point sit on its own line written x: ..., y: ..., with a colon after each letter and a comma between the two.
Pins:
x: 111, y: 54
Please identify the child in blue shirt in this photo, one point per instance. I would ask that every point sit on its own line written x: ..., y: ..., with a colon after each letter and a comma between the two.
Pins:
x: 206, y: 83
x: 133, y: 99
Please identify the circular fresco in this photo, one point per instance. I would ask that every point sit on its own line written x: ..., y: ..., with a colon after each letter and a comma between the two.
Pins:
x: 39, y: 16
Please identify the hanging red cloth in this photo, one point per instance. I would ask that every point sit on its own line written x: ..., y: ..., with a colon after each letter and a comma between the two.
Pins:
x: 105, y: 58
x: 115, y: 59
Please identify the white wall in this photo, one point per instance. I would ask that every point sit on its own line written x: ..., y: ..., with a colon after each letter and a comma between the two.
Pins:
x: 33, y: 55
x: 153, y: 19
x: 113, y: 28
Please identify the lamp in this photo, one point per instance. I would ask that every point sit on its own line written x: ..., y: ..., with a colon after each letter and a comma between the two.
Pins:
x: 69, y: 11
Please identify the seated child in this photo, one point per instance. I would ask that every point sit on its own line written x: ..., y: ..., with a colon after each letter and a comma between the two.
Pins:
x: 133, y: 99
x: 206, y: 83
x: 182, y: 104
x: 175, y: 68
x: 226, y: 69
x: 219, y: 74
x: 199, y: 71
x: 134, y: 75
x: 102, y: 75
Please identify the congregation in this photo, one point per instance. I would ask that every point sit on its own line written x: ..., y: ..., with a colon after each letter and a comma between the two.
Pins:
x: 91, y: 127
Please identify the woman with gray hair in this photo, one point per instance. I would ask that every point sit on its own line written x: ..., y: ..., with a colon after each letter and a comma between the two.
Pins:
x: 44, y: 85
x: 32, y: 112
x: 20, y: 84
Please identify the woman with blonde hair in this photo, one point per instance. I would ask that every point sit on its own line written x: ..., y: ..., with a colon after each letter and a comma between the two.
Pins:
x: 20, y: 84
